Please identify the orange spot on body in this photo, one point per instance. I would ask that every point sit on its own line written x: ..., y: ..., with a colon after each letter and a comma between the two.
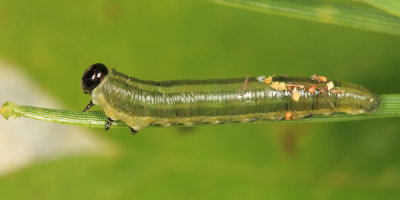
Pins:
x: 312, y: 88
x: 288, y: 116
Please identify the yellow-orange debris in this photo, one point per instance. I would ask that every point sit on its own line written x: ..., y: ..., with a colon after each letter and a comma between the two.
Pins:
x: 295, y: 95
x: 330, y: 85
x: 278, y: 85
x: 268, y: 80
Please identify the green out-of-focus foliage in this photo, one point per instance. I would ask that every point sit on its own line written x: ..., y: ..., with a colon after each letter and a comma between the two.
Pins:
x: 55, y: 41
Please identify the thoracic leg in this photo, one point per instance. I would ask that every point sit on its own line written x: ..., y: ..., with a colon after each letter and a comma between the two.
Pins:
x: 91, y: 104
x: 109, y: 123
x: 133, y: 131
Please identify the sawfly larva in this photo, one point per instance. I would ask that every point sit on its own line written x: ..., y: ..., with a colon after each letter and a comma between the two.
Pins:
x: 141, y: 103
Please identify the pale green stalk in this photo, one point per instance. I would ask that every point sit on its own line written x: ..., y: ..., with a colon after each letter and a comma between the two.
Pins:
x: 374, y: 15
x: 92, y: 119
x: 389, y: 108
x: 390, y: 6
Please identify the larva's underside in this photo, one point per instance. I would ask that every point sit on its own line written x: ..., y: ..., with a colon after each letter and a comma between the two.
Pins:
x: 141, y: 103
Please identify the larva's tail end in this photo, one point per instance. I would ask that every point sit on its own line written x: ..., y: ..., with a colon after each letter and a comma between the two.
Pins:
x: 374, y: 103
x: 7, y: 110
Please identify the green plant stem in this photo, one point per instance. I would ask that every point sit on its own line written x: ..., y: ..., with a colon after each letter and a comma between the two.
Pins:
x: 389, y: 108
x: 389, y: 6
x: 92, y: 119
x: 374, y: 15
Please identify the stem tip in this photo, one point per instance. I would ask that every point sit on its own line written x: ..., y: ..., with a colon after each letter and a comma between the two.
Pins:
x: 7, y: 110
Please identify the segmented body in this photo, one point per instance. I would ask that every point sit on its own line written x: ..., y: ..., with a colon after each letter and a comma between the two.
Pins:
x: 141, y: 103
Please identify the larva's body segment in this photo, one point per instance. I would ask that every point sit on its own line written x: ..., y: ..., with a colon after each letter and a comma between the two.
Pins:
x: 142, y: 103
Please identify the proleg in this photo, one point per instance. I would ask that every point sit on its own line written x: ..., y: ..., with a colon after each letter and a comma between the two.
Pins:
x: 141, y: 103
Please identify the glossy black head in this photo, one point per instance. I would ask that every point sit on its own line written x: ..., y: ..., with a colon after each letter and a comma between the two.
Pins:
x: 93, y: 77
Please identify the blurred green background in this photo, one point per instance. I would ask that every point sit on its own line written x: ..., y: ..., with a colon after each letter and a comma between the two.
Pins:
x: 55, y: 41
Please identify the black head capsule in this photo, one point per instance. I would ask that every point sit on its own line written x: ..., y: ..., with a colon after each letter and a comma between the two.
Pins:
x: 93, y: 77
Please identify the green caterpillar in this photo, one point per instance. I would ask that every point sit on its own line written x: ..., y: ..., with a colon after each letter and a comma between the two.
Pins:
x: 141, y: 103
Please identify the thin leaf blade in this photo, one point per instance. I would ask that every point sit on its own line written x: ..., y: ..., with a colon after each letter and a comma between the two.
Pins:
x: 355, y: 14
x: 390, y: 6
